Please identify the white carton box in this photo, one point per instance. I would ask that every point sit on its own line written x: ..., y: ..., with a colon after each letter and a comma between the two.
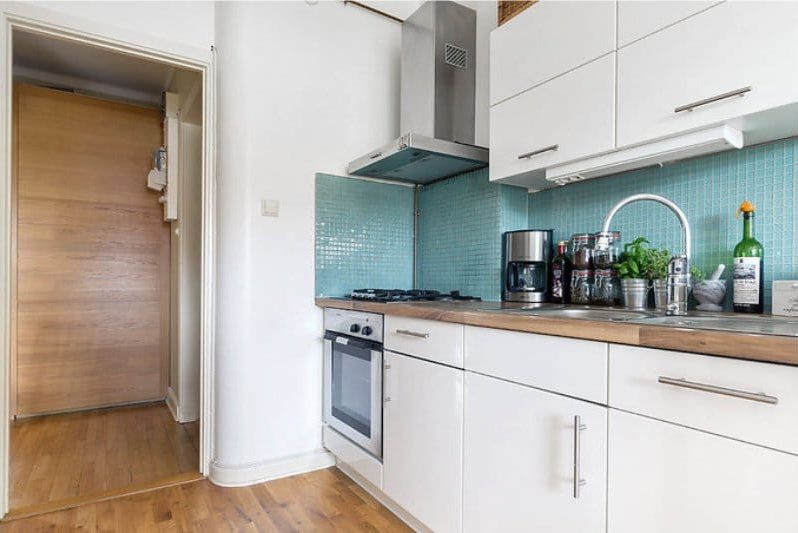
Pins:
x: 785, y: 298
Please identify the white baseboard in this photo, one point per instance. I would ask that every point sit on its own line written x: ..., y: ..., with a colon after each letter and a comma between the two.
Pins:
x: 171, y: 403
x: 251, y: 474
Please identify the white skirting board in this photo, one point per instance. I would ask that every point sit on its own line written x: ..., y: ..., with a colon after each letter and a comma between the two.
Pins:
x: 171, y: 403
x: 251, y: 474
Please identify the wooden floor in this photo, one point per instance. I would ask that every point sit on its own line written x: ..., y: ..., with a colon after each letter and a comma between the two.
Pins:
x: 60, y: 457
x: 325, y: 500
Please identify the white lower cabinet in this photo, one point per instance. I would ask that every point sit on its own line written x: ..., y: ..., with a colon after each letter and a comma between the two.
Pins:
x: 423, y: 440
x: 521, y: 446
x: 666, y: 478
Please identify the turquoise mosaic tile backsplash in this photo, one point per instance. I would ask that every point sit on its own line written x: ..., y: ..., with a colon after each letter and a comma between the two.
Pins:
x: 459, y: 233
x: 364, y: 235
x: 709, y: 189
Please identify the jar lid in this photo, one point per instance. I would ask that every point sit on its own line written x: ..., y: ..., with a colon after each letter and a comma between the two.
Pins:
x: 582, y: 237
x: 612, y: 235
x: 606, y: 273
x: 583, y: 273
x: 563, y: 243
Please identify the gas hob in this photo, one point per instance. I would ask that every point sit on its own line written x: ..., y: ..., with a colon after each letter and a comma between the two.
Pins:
x: 414, y: 295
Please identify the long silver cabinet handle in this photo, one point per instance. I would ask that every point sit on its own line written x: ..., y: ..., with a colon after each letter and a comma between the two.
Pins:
x: 552, y: 148
x: 412, y: 333
x: 711, y: 99
x: 714, y: 389
x: 385, y: 393
x: 579, y: 427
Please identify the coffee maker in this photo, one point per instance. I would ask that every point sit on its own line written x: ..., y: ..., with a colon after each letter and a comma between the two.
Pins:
x: 527, y: 265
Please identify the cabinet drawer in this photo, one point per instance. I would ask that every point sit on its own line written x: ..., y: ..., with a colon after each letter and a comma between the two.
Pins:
x: 724, y: 50
x: 647, y: 381
x: 440, y: 342
x: 573, y: 367
x: 637, y: 19
x: 567, y: 118
x: 548, y: 39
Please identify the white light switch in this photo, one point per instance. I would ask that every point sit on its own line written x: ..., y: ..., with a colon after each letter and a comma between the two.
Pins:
x: 270, y: 208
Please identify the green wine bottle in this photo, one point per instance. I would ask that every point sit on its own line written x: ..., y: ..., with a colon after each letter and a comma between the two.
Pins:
x: 749, y: 276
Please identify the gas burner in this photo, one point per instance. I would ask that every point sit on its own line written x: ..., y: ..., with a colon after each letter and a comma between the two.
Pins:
x: 414, y: 295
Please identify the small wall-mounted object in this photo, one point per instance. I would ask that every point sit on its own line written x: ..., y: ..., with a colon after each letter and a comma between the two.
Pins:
x: 659, y: 152
x: 156, y: 179
x: 785, y: 298
x: 269, y: 208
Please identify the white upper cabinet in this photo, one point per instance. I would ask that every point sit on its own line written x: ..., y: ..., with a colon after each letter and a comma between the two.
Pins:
x: 548, y: 39
x: 637, y: 19
x: 732, y: 60
x: 567, y: 118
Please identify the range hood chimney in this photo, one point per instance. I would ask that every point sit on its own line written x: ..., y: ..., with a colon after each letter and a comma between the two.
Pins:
x: 437, y: 104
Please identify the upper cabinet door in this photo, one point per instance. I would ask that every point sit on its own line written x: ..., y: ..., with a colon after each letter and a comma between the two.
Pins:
x: 548, y: 39
x: 567, y: 118
x: 637, y: 19
x: 732, y: 60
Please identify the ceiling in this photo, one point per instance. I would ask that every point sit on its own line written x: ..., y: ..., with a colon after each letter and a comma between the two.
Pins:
x: 39, y: 56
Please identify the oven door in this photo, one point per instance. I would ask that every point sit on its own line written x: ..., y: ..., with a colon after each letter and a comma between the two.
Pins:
x: 353, y: 390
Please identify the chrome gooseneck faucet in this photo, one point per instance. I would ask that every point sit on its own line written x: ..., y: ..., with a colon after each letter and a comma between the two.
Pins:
x: 679, y: 265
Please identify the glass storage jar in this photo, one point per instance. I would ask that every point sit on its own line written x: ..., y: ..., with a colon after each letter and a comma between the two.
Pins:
x: 582, y: 287
x: 607, y: 290
x: 607, y: 249
x: 582, y: 251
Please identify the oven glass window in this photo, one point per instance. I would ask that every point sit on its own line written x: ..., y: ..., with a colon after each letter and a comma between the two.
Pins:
x: 351, y: 387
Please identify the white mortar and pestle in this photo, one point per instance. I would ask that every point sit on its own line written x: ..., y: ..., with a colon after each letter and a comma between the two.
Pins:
x: 711, y: 292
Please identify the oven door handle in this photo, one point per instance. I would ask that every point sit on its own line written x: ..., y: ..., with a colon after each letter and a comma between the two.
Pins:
x: 351, y: 341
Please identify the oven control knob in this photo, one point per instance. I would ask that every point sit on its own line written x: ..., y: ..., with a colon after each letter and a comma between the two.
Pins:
x: 366, y: 330
x: 354, y: 328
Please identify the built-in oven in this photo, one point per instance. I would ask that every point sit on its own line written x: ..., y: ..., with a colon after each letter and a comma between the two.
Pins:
x: 353, y: 377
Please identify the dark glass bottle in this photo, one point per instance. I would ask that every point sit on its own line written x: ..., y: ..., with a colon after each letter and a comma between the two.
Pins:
x: 561, y: 268
x: 749, y: 275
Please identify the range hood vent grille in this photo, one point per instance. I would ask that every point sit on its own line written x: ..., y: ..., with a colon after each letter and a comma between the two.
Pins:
x: 456, y: 56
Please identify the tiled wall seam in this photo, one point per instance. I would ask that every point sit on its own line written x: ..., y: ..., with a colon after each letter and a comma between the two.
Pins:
x: 709, y: 189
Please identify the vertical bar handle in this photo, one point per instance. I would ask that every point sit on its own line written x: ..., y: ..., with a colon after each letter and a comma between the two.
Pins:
x: 579, y: 427
x: 385, y: 393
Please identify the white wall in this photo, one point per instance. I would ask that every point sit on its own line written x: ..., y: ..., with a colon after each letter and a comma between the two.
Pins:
x: 302, y: 88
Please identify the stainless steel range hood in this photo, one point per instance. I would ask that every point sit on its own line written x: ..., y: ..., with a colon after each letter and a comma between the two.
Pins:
x: 437, y: 104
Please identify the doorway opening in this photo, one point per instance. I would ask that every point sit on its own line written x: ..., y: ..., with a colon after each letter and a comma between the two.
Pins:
x: 106, y: 254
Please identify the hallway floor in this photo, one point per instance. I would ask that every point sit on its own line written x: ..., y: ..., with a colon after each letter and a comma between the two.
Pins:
x: 63, y: 456
x: 325, y: 500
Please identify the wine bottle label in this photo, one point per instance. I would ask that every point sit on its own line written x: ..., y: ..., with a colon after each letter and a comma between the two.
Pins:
x: 746, y: 280
x: 556, y: 288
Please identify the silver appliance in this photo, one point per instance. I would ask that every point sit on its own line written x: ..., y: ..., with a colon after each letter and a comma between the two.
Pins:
x: 353, y: 377
x: 527, y: 265
x: 437, y: 100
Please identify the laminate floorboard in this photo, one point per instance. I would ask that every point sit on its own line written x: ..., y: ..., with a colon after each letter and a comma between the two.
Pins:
x: 64, y: 456
x: 324, y: 500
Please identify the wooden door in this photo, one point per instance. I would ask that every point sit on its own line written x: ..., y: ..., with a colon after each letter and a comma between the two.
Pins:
x: 423, y: 440
x: 518, y: 468
x: 92, y: 260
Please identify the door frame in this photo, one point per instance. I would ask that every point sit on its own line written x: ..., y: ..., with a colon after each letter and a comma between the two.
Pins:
x: 18, y: 16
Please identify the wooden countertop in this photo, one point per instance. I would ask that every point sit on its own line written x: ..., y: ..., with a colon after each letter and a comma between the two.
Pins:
x: 755, y: 347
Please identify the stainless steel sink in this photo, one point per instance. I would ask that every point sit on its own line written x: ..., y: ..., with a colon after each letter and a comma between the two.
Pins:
x: 588, y: 313
x: 740, y: 324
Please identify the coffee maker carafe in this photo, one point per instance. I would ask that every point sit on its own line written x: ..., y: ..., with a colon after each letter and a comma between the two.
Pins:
x: 527, y: 263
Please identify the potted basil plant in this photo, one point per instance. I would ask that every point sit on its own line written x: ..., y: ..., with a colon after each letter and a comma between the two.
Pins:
x: 658, y: 274
x: 632, y: 266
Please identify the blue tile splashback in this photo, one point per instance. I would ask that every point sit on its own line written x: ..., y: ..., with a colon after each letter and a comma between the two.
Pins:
x: 708, y: 189
x: 459, y: 233
x: 364, y: 235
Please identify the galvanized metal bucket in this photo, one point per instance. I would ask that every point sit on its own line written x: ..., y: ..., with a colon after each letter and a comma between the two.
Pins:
x: 635, y: 293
